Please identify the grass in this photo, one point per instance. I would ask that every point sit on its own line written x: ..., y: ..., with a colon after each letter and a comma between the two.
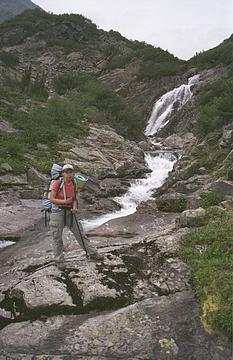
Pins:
x: 209, y: 252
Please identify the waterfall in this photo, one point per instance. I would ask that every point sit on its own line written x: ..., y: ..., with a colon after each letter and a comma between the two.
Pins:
x: 160, y: 163
x: 169, y: 103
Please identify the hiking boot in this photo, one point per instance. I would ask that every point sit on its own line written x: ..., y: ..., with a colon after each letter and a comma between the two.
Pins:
x: 96, y: 256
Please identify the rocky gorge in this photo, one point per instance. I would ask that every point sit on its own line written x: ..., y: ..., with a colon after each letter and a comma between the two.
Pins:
x: 144, y: 196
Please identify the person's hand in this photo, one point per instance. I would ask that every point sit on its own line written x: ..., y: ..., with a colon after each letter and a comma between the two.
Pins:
x: 74, y: 210
x: 68, y: 201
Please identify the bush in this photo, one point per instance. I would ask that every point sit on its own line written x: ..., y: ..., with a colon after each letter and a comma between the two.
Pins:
x: 156, y: 70
x: 209, y: 251
x: 105, y: 105
x: 69, y: 81
x: 215, y: 106
x: 34, y: 88
x: 211, y: 198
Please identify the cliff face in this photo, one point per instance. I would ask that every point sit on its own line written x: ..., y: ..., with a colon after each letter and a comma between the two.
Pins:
x: 11, y: 8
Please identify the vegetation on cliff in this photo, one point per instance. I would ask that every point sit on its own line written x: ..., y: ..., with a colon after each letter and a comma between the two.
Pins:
x: 208, y: 250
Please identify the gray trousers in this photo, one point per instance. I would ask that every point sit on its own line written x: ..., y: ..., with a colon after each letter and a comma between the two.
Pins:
x: 57, y: 222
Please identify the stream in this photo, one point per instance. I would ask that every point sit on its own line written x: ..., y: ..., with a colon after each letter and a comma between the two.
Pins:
x: 160, y: 163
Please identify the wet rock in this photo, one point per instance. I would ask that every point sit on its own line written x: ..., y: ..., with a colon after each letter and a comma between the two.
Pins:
x: 130, y: 169
x: 156, y: 328
x: 174, y: 141
x: 112, y: 187
x: 192, y: 218
x: 145, y: 146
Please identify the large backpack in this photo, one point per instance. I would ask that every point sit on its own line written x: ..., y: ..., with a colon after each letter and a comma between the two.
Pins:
x: 56, y: 174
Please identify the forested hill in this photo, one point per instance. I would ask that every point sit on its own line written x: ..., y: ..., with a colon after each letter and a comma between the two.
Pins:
x: 11, y: 8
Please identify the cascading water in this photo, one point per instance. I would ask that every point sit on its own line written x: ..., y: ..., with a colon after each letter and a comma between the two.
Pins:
x: 140, y: 190
x: 160, y: 164
x: 167, y: 104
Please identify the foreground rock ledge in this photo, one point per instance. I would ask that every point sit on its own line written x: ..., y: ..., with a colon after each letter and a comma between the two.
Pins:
x: 157, y: 328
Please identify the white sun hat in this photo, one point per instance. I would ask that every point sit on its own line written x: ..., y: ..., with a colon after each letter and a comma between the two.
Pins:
x: 67, y: 167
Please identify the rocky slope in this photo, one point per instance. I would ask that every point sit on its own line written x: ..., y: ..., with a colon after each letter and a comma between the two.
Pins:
x: 145, y: 300
x: 11, y: 8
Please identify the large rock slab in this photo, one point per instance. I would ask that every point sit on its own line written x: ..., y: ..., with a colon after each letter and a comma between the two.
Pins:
x: 18, y: 217
x: 104, y: 153
x: 41, y: 291
x: 159, y: 328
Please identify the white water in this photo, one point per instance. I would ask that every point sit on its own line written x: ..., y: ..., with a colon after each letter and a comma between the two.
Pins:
x: 139, y: 191
x: 5, y: 243
x: 165, y: 106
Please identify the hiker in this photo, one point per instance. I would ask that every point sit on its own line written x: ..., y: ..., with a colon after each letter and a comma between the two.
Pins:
x: 64, y: 208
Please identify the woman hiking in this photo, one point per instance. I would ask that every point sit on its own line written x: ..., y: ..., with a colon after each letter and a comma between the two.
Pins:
x: 64, y: 208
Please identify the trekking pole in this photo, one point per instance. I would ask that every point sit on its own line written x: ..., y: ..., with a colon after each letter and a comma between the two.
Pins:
x: 80, y: 234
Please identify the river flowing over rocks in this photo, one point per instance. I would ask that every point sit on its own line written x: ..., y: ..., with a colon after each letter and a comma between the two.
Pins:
x: 136, y: 304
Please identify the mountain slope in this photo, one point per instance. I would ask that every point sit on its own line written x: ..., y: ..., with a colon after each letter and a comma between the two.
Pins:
x: 11, y: 8
x: 221, y: 54
x: 65, y: 43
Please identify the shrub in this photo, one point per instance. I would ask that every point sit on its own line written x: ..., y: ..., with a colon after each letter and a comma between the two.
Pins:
x: 211, y: 198
x: 215, y: 106
x: 34, y: 88
x: 155, y: 70
x: 106, y: 106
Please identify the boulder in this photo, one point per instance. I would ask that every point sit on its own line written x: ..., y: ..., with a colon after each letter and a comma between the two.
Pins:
x: 9, y: 179
x: 41, y: 291
x: 223, y: 186
x: 191, y: 218
x: 172, y: 202
x: 145, y: 146
x: 35, y: 178
x: 227, y: 136
x: 42, y: 147
x: 174, y: 141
